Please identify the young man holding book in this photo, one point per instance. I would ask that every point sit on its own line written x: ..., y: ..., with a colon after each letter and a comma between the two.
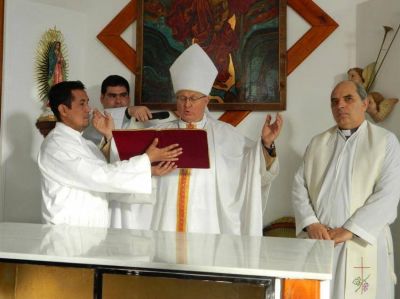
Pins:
x: 230, y: 196
x: 76, y: 176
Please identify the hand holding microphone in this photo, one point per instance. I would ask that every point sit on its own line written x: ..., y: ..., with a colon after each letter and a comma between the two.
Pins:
x: 142, y: 113
x: 160, y: 115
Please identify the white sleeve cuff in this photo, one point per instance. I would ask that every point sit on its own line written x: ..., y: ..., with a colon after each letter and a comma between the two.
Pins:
x: 304, y: 223
x: 269, y: 175
x: 359, y: 232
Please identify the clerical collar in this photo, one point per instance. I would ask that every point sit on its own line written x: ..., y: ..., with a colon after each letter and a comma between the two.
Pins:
x: 347, y: 133
x: 199, y: 125
x: 351, y: 133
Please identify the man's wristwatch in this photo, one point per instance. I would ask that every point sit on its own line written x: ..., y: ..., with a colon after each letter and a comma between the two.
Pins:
x: 270, y: 150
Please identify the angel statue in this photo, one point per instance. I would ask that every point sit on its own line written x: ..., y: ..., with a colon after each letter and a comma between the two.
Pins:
x: 379, y: 107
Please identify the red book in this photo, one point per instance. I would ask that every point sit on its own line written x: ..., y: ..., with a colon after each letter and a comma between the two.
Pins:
x: 193, y: 142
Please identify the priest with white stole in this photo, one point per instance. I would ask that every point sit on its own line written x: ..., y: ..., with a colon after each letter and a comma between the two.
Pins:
x: 229, y: 197
x: 347, y: 190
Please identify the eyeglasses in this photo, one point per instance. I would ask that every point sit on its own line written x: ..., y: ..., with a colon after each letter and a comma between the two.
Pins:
x: 191, y: 99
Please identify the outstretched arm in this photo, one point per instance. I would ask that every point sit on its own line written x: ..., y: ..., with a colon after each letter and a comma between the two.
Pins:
x: 268, y: 135
x: 271, y: 131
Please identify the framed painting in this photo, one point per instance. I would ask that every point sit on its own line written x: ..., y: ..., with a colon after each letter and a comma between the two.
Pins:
x: 246, y: 40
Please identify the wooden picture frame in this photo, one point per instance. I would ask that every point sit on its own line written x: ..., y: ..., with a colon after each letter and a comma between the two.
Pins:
x: 246, y: 41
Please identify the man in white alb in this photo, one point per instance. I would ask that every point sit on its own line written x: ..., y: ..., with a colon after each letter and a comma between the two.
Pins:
x: 231, y: 195
x: 347, y: 190
x: 76, y: 176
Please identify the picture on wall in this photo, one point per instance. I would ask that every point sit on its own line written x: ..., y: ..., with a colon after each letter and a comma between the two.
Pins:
x: 246, y: 40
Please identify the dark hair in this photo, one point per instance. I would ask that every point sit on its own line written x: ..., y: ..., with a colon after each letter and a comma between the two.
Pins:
x: 361, y: 91
x: 114, y: 80
x: 61, y: 93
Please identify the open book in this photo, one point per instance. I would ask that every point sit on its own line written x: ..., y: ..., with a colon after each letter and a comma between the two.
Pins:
x: 193, y: 142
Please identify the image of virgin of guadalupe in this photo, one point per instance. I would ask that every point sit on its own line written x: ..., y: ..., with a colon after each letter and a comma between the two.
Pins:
x: 56, y: 64
x: 51, y: 62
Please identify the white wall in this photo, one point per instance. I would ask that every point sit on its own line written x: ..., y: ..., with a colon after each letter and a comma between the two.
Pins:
x: 309, y: 86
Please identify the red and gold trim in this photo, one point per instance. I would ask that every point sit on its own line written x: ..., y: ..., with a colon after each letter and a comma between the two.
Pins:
x: 183, y: 198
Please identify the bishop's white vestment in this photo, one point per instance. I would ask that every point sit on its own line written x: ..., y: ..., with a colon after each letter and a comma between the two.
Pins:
x: 76, y: 178
x: 353, y: 183
x: 229, y: 197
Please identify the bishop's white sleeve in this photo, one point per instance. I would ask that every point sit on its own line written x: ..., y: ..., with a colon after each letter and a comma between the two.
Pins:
x: 94, y: 174
x: 268, y: 174
x: 303, y: 210
x: 380, y: 208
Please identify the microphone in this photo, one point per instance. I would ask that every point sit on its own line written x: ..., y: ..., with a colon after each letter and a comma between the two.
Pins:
x: 159, y: 115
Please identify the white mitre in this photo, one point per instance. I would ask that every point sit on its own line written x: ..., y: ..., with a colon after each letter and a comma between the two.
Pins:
x: 193, y: 70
